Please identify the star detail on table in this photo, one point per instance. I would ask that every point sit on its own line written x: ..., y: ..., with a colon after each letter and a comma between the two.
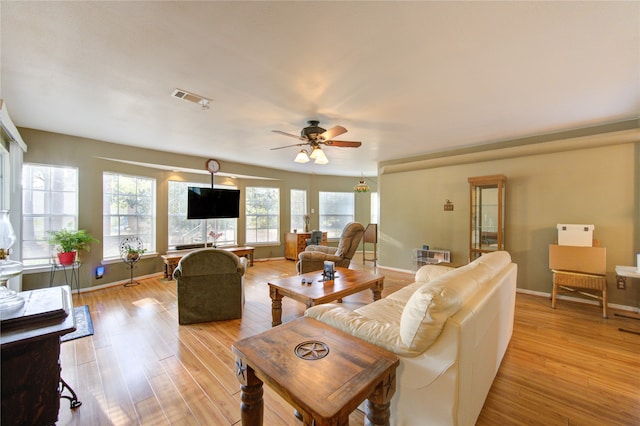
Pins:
x: 311, y: 350
x: 241, y: 369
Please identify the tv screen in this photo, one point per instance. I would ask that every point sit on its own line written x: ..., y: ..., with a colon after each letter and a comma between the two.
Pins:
x: 212, y: 203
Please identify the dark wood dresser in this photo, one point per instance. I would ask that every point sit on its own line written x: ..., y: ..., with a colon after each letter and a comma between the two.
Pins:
x: 30, y: 352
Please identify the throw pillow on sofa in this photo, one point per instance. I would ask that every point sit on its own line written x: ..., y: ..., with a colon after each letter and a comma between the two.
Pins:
x: 425, y: 313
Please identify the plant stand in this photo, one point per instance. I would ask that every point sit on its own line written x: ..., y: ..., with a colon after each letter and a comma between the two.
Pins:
x: 130, y: 258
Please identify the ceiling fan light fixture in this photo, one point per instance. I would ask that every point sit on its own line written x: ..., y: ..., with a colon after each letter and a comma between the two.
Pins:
x: 302, y: 157
x: 315, y: 152
x: 319, y: 158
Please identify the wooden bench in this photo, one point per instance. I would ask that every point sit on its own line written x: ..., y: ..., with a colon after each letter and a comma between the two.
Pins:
x: 171, y: 260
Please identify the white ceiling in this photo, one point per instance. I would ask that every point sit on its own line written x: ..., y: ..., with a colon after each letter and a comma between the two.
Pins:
x: 405, y: 78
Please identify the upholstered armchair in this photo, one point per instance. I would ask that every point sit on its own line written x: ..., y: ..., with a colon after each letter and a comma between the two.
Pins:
x: 210, y: 286
x: 312, y: 259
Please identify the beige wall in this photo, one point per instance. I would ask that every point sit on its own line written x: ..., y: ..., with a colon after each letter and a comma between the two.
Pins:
x: 596, y: 185
x: 93, y: 157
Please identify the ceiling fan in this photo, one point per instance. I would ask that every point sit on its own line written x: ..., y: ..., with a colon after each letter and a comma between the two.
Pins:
x: 314, y: 136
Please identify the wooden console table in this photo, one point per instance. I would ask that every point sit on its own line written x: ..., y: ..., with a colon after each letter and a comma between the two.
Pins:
x: 30, y: 346
x: 324, y: 373
x: 171, y: 260
x: 296, y: 242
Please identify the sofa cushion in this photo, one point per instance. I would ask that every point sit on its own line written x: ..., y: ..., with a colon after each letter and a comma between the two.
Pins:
x: 431, y: 304
x: 426, y: 312
x: 430, y: 272
x: 372, y: 330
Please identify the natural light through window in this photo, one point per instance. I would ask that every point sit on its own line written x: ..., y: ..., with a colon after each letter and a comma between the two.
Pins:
x: 336, y: 210
x: 129, y: 210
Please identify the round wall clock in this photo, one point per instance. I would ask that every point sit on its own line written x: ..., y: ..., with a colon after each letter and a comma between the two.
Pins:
x: 213, y: 165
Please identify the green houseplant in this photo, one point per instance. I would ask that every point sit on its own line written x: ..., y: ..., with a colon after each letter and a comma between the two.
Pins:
x: 68, y: 242
x: 134, y: 253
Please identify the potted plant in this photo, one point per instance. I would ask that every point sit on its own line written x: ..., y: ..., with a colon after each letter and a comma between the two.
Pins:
x: 133, y: 254
x: 68, y: 242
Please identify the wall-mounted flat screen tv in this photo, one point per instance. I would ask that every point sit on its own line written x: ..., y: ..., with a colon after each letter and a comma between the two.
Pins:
x: 212, y: 203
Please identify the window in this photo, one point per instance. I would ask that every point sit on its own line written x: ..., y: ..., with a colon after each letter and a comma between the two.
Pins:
x: 375, y: 207
x: 262, y: 215
x: 195, y: 231
x: 129, y: 205
x: 298, y: 208
x: 49, y: 202
x: 336, y: 210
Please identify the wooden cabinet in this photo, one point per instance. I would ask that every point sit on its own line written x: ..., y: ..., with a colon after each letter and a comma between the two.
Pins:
x: 295, y: 243
x: 487, y: 202
x: 31, y: 382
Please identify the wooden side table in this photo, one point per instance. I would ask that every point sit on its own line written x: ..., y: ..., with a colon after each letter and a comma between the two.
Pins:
x: 321, y: 371
x: 30, y: 344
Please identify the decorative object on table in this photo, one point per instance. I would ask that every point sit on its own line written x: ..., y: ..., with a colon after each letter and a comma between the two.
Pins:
x: 130, y: 250
x: 215, y: 235
x: 7, y: 234
x: 84, y: 324
x: 9, y: 299
x: 68, y: 242
x: 307, y: 219
x: 328, y: 273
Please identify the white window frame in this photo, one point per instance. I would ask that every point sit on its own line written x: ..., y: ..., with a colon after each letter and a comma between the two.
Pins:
x: 334, y: 217
x: 298, y: 203
x: 111, y: 242
x: 375, y: 207
x: 38, y: 220
x: 262, y: 220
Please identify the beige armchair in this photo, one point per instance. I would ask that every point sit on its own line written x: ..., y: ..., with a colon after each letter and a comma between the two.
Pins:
x: 312, y: 259
x: 210, y: 286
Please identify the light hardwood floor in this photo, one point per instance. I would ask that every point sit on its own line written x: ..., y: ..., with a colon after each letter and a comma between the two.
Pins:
x: 563, y: 367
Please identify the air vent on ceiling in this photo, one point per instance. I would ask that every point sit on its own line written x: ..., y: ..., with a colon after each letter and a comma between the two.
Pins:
x: 191, y: 97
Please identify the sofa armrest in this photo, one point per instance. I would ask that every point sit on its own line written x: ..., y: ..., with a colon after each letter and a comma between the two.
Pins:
x: 384, y: 335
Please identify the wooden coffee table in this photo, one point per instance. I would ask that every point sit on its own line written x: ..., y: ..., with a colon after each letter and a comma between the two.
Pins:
x: 347, y: 282
x: 321, y: 371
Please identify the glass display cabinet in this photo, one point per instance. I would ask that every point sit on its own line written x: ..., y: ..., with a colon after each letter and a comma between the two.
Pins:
x: 487, y: 196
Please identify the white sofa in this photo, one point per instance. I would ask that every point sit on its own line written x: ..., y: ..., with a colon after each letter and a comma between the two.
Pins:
x: 450, y: 330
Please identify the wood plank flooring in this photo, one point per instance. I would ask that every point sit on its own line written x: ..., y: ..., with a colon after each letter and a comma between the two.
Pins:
x: 566, y: 366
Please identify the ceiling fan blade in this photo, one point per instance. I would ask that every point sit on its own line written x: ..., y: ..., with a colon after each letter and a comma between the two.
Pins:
x: 289, y: 146
x: 333, y: 132
x: 289, y: 134
x: 343, y: 144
